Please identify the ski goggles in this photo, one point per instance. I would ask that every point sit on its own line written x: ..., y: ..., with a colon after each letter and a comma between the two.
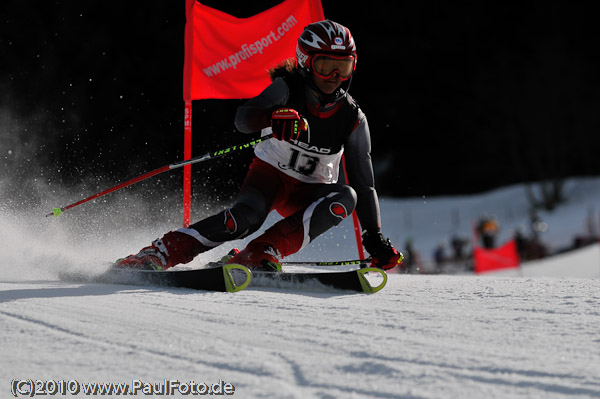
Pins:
x: 324, y: 66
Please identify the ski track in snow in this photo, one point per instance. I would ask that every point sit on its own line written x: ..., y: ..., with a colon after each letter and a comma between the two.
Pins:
x: 421, y: 337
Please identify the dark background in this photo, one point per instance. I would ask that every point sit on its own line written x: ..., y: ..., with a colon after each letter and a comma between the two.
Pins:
x: 460, y: 97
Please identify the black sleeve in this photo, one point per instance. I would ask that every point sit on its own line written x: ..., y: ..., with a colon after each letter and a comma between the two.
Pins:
x: 255, y: 114
x: 360, y: 174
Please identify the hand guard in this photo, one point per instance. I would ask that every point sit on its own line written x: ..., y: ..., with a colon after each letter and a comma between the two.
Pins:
x: 383, y: 254
x: 287, y: 124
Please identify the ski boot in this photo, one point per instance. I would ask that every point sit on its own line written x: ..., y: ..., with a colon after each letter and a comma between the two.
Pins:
x: 258, y: 256
x: 172, y: 249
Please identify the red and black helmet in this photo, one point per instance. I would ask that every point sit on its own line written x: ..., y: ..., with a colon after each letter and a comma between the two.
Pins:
x: 325, y: 47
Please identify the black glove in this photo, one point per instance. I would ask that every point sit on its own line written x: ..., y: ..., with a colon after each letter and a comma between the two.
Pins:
x: 287, y: 124
x: 383, y: 254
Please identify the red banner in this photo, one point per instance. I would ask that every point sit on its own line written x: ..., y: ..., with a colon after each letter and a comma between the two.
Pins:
x: 228, y: 57
x: 504, y: 257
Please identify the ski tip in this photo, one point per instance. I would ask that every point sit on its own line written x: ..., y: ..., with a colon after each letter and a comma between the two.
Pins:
x: 364, y: 282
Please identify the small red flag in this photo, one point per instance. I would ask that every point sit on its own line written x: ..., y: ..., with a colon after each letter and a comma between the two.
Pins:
x: 228, y: 57
x: 504, y: 257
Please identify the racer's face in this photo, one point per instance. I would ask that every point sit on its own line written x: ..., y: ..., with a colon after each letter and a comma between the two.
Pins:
x: 329, y: 84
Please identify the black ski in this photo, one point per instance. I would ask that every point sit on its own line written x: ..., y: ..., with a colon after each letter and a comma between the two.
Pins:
x: 220, y: 277
x: 353, y: 280
x: 216, y: 278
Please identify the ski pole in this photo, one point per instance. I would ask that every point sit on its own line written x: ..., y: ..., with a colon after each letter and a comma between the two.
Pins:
x: 208, y: 156
x: 361, y: 262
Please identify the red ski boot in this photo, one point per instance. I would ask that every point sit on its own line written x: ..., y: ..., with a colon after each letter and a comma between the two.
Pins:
x: 172, y: 249
x: 258, y: 256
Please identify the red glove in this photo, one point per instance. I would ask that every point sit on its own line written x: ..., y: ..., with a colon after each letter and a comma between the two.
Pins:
x: 383, y: 254
x: 287, y: 124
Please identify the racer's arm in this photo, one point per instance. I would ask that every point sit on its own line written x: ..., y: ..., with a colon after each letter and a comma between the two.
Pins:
x: 357, y: 150
x: 360, y: 176
x: 255, y: 114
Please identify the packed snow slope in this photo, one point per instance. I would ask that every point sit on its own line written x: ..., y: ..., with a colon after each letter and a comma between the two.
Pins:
x: 530, y: 334
x: 421, y: 337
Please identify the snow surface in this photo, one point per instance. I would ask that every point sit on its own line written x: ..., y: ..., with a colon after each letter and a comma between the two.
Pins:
x: 531, y: 333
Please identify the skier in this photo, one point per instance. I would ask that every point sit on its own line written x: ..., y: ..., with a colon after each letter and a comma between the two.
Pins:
x: 314, y: 120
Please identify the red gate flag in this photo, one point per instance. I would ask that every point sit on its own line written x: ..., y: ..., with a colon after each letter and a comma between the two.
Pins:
x: 504, y: 257
x: 228, y: 57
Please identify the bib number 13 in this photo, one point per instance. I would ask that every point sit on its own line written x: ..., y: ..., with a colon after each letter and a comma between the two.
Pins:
x: 302, y: 163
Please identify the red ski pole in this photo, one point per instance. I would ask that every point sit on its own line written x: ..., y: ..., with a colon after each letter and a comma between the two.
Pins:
x: 209, y: 155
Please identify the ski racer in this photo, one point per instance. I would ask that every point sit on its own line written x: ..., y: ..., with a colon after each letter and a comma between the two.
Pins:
x: 314, y: 121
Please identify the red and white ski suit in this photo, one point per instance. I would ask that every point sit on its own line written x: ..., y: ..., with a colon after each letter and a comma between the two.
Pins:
x: 299, y: 179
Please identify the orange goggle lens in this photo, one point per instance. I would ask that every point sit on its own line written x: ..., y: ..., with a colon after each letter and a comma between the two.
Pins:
x: 325, y: 65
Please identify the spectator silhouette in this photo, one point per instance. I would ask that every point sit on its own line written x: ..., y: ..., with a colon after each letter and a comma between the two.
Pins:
x: 488, y: 229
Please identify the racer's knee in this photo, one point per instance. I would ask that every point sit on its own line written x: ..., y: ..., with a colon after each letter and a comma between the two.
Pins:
x: 231, y: 224
x: 341, y: 203
x: 330, y: 210
x: 242, y: 220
